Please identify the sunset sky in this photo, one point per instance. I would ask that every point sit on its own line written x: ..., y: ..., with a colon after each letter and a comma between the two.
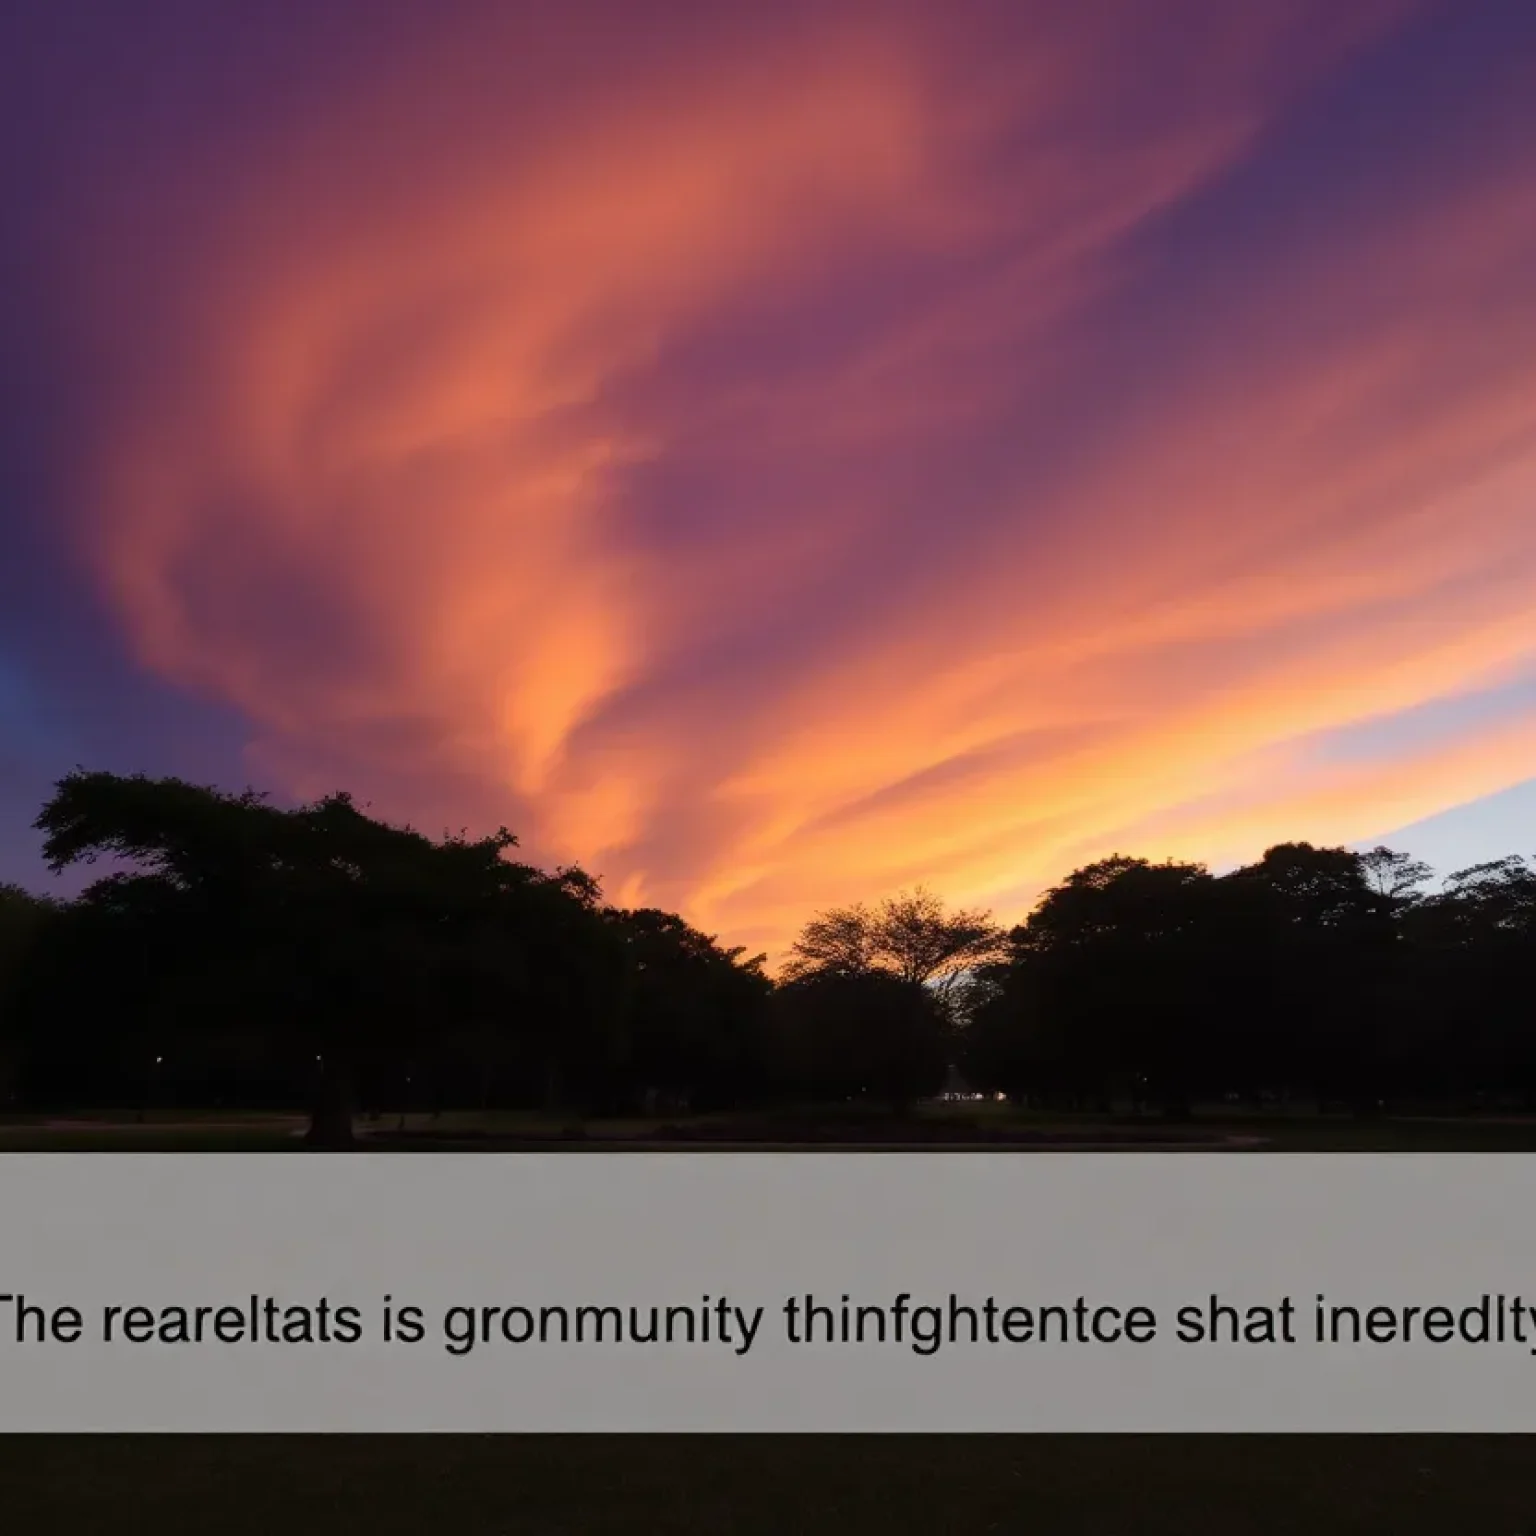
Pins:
x: 779, y: 454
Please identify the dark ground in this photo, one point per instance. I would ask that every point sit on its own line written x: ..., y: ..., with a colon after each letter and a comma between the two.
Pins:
x: 731, y: 1486
x: 938, y: 1126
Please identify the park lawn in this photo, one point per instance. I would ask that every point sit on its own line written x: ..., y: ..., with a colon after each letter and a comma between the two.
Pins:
x: 124, y: 1116
x: 128, y: 1139
x: 770, y: 1485
x: 469, y: 1131
x: 1404, y: 1135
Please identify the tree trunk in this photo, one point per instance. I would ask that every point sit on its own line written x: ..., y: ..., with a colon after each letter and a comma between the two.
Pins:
x: 331, y: 1127
x: 554, y: 1087
x: 1177, y: 1104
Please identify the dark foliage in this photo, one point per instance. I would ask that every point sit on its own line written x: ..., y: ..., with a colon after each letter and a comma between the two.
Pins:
x: 241, y: 954
x: 1317, y: 974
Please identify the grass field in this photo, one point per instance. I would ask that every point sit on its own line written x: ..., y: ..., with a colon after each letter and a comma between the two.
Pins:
x: 770, y: 1486
x: 224, y: 1131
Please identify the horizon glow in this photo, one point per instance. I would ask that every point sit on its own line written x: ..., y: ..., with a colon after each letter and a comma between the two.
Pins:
x: 776, y: 461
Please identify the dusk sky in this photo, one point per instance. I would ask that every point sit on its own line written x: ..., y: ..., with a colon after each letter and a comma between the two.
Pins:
x: 775, y: 455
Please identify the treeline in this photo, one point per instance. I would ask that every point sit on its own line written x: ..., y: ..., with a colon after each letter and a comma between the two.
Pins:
x: 1316, y: 974
x: 240, y: 954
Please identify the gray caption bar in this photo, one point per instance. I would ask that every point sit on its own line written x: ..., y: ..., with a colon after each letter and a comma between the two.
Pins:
x: 768, y: 1292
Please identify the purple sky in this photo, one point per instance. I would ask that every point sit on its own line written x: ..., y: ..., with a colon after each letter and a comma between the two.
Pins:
x: 776, y: 455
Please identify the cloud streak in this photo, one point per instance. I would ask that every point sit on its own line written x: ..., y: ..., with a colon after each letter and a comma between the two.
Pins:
x: 774, y: 463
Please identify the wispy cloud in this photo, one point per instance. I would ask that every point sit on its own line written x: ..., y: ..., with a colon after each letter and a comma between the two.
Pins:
x: 778, y: 462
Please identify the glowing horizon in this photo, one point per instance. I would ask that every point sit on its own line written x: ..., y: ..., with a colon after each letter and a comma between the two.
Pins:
x: 777, y: 462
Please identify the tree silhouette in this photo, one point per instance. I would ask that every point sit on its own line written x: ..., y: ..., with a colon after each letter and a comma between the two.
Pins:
x: 337, y: 926
x: 911, y: 936
x: 873, y: 1036
x: 237, y: 950
x: 1397, y: 876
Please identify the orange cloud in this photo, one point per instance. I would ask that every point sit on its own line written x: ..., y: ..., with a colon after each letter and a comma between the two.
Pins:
x: 736, y: 477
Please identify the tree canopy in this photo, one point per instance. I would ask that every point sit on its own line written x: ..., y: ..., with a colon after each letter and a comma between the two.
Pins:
x: 233, y: 949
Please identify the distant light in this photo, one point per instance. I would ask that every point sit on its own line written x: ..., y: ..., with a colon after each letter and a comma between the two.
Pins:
x: 158, y: 1060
